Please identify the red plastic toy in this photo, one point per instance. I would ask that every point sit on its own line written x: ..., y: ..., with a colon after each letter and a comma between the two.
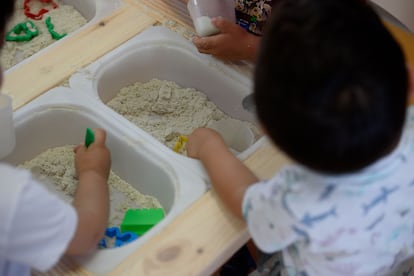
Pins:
x: 41, y: 12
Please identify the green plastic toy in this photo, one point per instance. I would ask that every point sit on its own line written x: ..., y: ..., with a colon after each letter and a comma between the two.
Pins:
x: 89, y: 137
x: 51, y: 29
x: 140, y: 221
x: 24, y: 31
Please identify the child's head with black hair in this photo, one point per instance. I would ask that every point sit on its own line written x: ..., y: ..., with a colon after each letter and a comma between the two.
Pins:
x: 6, y: 12
x: 331, y: 84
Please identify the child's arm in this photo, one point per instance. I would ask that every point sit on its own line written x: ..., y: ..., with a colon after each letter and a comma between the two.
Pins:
x: 410, y: 69
x: 229, y: 176
x: 91, y: 199
x: 232, y: 43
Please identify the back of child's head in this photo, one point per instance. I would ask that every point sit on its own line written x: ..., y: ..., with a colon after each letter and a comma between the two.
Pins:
x: 6, y: 11
x: 330, y: 84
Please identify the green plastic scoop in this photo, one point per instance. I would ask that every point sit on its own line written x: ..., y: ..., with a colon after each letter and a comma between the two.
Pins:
x: 89, y: 137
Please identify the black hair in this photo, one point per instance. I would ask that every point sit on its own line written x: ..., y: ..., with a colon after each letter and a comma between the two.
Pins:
x: 330, y: 84
x: 6, y: 12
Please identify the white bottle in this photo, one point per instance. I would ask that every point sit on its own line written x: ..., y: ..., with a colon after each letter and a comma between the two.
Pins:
x: 204, y: 27
x: 202, y: 11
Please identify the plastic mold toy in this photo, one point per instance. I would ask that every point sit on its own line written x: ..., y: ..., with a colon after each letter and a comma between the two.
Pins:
x: 41, y: 12
x: 51, y: 29
x: 182, y: 139
x: 24, y: 31
x: 120, y: 238
x: 140, y: 221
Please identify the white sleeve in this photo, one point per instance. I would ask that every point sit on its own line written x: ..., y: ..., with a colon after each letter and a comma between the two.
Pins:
x: 41, y: 229
x: 269, y: 221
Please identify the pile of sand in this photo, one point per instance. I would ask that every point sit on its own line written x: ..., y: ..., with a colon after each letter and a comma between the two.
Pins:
x: 65, y: 19
x: 55, y: 168
x: 165, y: 110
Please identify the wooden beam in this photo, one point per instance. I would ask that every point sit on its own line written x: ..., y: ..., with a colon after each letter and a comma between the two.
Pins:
x: 204, y: 236
x: 43, y: 72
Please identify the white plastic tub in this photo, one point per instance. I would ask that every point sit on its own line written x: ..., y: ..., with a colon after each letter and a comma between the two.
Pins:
x: 163, y: 54
x: 60, y: 117
x: 92, y: 10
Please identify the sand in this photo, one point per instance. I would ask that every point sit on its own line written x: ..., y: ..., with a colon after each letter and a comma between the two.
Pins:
x: 56, y: 169
x: 65, y: 18
x: 165, y: 110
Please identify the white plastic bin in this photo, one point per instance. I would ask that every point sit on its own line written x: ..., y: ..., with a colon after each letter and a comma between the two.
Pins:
x: 60, y: 117
x: 92, y: 10
x: 163, y: 54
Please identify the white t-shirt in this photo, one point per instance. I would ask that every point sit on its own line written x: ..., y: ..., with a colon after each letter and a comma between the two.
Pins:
x: 36, y: 226
x: 354, y: 224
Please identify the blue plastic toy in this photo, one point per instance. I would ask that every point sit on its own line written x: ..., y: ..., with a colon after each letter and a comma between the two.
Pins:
x: 120, y: 238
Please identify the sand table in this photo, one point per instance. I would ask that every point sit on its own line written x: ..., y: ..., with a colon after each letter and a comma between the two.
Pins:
x: 65, y: 19
x: 55, y: 167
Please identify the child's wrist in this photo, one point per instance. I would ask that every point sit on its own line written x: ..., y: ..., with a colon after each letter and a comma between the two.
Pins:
x: 93, y: 176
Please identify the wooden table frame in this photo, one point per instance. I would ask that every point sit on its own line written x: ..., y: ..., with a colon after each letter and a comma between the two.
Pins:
x: 205, y: 235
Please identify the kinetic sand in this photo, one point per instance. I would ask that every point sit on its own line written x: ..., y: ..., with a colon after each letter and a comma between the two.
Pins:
x: 65, y: 19
x: 166, y: 110
x: 55, y: 167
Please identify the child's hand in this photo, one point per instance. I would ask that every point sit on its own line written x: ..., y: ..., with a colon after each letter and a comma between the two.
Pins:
x: 91, y: 199
x: 204, y: 141
x: 232, y: 43
x: 228, y: 175
x: 96, y: 158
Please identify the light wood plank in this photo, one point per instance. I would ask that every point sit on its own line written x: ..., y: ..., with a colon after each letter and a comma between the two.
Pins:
x: 203, y: 237
x: 26, y: 82
x: 166, y: 9
x: 200, y: 239
x: 266, y: 160
x: 195, y: 243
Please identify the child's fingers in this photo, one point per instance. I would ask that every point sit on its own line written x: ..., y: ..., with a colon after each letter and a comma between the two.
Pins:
x: 203, y: 44
x: 208, y: 45
x: 100, y: 136
x: 78, y: 147
x: 223, y: 25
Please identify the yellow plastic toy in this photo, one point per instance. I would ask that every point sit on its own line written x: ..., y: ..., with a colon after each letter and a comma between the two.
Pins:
x: 182, y: 139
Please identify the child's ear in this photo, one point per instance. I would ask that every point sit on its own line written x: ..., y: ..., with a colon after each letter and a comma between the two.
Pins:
x: 410, y: 70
